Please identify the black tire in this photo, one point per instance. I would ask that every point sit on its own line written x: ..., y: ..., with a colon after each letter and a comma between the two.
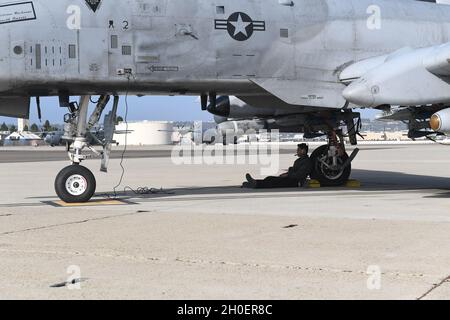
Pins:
x: 80, y: 188
x: 318, y: 174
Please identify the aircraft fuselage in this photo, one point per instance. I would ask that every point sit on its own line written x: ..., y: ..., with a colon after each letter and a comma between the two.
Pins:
x: 238, y: 47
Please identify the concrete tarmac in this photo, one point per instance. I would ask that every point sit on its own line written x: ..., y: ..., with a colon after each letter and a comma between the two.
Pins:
x: 205, y: 238
x: 41, y: 154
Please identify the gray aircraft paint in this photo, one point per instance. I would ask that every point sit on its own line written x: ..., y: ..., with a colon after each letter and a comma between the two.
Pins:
x: 293, y: 54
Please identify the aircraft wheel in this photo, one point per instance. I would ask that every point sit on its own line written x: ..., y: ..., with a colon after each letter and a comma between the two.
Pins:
x: 329, y: 177
x: 75, y: 184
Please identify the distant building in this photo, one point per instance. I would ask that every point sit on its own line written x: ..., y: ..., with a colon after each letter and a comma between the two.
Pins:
x: 23, y: 139
x: 23, y: 124
x: 3, y: 135
x: 145, y: 133
x: 385, y: 136
x: 298, y: 137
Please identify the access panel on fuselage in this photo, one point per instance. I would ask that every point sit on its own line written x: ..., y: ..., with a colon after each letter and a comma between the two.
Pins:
x: 93, y: 46
x: 253, y: 39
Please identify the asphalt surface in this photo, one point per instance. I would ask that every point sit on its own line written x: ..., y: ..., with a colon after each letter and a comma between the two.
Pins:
x: 59, y: 154
x: 202, y: 237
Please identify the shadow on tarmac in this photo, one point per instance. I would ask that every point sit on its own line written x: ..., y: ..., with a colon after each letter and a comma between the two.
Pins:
x: 372, y: 181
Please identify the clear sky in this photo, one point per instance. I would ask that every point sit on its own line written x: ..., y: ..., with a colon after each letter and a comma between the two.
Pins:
x: 145, y: 108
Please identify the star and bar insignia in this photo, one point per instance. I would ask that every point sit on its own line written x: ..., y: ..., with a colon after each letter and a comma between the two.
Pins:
x: 240, y: 26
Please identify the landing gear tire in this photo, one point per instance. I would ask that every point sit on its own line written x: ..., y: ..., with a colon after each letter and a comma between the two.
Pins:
x: 326, y: 176
x: 75, y: 184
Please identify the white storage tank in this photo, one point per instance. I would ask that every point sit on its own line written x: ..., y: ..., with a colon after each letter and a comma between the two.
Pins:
x: 145, y: 133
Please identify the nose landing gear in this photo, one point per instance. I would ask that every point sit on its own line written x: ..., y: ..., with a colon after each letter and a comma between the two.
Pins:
x: 76, y: 183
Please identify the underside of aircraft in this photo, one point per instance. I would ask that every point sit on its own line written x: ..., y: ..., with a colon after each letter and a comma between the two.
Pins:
x: 297, y: 66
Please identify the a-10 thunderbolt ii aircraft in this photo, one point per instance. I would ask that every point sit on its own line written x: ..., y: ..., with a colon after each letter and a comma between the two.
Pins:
x: 315, y: 59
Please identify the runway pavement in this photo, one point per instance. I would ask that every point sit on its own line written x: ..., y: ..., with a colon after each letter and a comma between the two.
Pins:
x: 205, y: 238
x: 41, y: 154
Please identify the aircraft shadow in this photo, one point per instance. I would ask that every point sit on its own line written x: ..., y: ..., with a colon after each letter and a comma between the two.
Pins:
x: 372, y: 181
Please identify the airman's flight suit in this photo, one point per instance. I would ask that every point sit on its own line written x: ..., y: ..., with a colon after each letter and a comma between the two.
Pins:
x: 295, y: 177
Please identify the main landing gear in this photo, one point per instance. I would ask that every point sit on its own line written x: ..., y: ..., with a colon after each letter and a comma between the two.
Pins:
x: 332, y: 166
x: 76, y: 183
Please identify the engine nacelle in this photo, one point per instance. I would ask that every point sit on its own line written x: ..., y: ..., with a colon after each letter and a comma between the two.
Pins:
x: 440, y: 121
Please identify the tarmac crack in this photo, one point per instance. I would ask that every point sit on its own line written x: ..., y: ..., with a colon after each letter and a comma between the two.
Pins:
x: 295, y: 268
x: 193, y: 261
x: 435, y: 287
x: 69, y: 223
x: 366, y: 193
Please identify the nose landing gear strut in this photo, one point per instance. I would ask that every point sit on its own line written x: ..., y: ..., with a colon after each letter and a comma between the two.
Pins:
x: 76, y: 183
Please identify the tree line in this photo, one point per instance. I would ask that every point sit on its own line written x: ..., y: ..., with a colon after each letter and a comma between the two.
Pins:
x: 47, y: 127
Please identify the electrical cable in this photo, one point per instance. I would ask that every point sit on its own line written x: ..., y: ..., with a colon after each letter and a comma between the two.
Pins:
x: 126, y: 140
x: 146, y: 191
x: 92, y: 101
x: 139, y: 190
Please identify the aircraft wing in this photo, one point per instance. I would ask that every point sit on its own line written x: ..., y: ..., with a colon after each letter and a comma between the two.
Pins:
x: 438, y: 61
x: 406, y: 114
x: 320, y: 94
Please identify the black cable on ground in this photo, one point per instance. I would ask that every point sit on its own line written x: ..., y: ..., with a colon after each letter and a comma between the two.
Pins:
x: 139, y: 190
x: 126, y: 140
